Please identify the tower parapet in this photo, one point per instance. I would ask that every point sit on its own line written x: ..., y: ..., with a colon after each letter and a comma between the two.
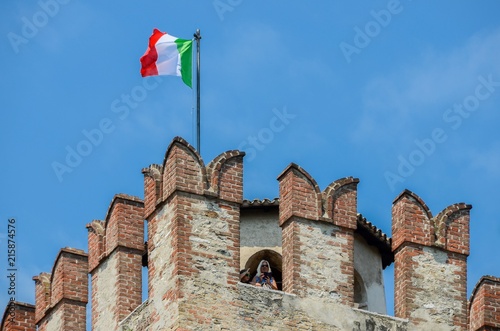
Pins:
x: 18, y: 316
x: 152, y: 188
x: 484, y: 305
x: 116, y: 247
x: 61, y: 296
x: 430, y: 254
x: 193, y: 237
x: 318, y: 236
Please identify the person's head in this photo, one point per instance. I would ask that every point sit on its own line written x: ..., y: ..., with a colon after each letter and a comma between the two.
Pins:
x: 263, y: 267
x: 245, y: 275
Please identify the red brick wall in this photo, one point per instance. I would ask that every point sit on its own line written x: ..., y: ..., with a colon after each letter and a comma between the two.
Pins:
x: 183, y: 169
x: 299, y: 195
x: 68, y: 287
x: 318, y: 227
x: 291, y: 253
x: 225, y: 176
x: 96, y: 243
x: 19, y: 317
x: 485, y: 305
x: 452, y: 228
x: 411, y: 221
x: 125, y: 223
x: 42, y: 294
x: 340, y: 202
x: 118, y: 244
x: 430, y: 270
x: 193, y: 238
x: 152, y: 188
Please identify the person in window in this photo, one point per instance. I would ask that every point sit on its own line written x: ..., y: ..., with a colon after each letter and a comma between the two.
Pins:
x: 264, y: 276
x: 245, y: 276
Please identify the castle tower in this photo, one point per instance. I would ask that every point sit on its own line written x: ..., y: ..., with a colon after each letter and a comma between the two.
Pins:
x: 332, y: 260
x: 116, y: 247
x: 193, y: 237
x: 430, y: 272
x: 318, y: 236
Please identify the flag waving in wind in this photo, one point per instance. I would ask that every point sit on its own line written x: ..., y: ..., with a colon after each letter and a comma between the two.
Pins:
x: 168, y: 55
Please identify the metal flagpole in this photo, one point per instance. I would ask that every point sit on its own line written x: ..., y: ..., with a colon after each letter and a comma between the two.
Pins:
x: 197, y: 36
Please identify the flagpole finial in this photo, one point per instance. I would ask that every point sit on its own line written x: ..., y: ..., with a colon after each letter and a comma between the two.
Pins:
x: 197, y: 34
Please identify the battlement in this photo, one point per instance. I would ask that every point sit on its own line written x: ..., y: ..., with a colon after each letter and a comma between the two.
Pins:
x: 430, y: 261
x: 414, y: 223
x: 183, y: 170
x: 326, y: 256
x: 61, y: 296
x: 312, y: 220
x: 116, y: 247
x: 18, y: 316
x: 484, y: 304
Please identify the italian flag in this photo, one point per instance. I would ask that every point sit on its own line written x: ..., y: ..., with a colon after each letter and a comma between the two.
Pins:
x: 168, y: 55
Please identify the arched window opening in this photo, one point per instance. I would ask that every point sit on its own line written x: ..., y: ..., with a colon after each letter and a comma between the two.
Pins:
x: 275, y: 260
x: 359, y: 292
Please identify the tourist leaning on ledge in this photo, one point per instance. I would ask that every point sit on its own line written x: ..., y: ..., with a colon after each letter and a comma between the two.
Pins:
x: 264, y: 276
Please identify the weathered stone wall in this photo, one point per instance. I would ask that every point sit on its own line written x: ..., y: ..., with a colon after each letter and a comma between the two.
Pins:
x: 116, y: 246
x: 193, y: 244
x: 54, y: 320
x: 256, y: 308
x: 262, y: 309
x: 103, y: 292
x: 259, y: 230
x: 162, y: 277
x: 368, y: 264
x: 138, y: 320
x: 207, y: 285
x: 430, y: 263
x: 434, y: 276
x: 318, y: 236
x: 321, y: 255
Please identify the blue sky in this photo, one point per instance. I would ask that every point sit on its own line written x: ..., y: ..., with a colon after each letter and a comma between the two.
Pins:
x: 400, y: 94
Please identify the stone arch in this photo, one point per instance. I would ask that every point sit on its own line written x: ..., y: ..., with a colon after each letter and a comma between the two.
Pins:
x: 360, y: 296
x: 274, y: 258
